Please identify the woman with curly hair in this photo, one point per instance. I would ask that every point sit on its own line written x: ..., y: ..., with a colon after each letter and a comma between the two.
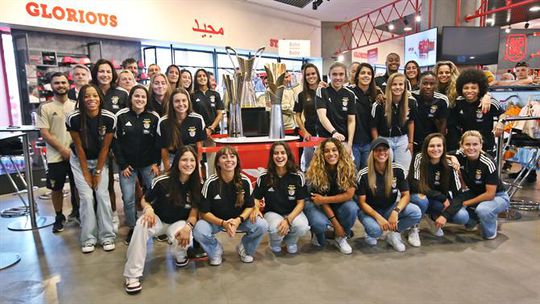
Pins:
x: 377, y: 188
x: 471, y: 85
x: 226, y: 205
x: 283, y: 189
x: 331, y: 176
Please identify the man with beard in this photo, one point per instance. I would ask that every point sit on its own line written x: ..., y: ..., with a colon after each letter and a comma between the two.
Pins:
x: 392, y: 65
x: 51, y: 121
x: 431, y: 110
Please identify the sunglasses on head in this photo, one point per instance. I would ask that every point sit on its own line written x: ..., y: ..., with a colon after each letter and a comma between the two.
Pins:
x: 522, y: 64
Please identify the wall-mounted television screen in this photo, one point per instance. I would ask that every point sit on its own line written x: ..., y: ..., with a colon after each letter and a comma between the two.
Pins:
x: 470, y: 45
x: 422, y: 47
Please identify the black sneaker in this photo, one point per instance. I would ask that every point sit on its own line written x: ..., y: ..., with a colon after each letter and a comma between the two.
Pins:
x: 531, y: 179
x: 58, y: 225
x: 128, y: 237
x: 162, y: 238
x: 196, y: 252
x: 74, y: 217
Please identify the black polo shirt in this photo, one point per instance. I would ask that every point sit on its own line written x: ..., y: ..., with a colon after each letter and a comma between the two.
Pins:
x: 378, y: 200
x: 157, y: 107
x: 379, y: 119
x: 219, y: 197
x: 159, y: 197
x: 97, y: 128
x: 479, y: 173
x: 381, y: 81
x: 470, y: 117
x: 362, y: 134
x: 115, y: 99
x: 339, y: 105
x: 283, y: 198
x: 306, y: 104
x: 191, y: 130
x: 434, y: 179
x: 207, y: 104
x: 427, y: 113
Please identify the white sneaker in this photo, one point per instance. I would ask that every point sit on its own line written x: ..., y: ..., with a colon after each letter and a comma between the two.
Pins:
x: 108, y: 246
x: 275, y: 249
x: 394, y: 239
x: 314, y: 240
x: 133, y: 285
x: 216, y: 260
x: 371, y: 241
x: 87, y: 248
x: 292, y: 249
x: 495, y: 234
x: 115, y: 222
x: 181, y: 261
x: 343, y: 245
x: 438, y: 232
x: 244, y: 257
x: 414, y: 238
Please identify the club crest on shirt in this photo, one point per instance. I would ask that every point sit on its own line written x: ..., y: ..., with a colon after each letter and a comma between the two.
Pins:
x: 437, y: 178
x: 146, y: 123
x: 344, y: 103
x: 479, y: 115
x: 102, y: 130
x: 213, y: 101
x: 291, y: 189
x: 478, y: 175
x: 192, y: 131
x: 394, y: 182
x: 432, y: 110
x: 114, y: 100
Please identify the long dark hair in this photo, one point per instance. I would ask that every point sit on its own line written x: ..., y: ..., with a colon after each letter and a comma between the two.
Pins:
x: 425, y: 161
x: 372, y: 88
x: 196, y: 86
x: 172, y: 123
x: 290, y: 166
x: 190, y: 88
x: 180, y: 198
x: 85, y: 133
x: 173, y: 66
x: 417, y: 70
x: 237, y: 178
x: 95, y: 70
x: 132, y: 91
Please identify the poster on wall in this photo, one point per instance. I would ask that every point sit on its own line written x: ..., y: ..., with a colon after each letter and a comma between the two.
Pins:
x: 422, y: 47
x: 519, y: 46
x: 372, y: 56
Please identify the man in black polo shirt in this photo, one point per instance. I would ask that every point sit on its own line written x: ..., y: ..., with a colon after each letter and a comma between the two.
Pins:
x: 335, y: 107
x: 392, y: 66
x: 431, y: 110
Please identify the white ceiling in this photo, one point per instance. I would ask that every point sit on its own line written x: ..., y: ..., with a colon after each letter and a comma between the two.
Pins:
x: 333, y: 10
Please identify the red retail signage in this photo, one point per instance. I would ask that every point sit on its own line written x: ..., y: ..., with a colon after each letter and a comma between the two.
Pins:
x: 60, y: 13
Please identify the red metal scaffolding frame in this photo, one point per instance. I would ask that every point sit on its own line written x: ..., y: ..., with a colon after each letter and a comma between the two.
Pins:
x: 482, y: 12
x: 360, y: 31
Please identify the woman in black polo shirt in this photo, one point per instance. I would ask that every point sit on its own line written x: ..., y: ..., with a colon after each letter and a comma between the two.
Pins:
x: 226, y: 205
x: 366, y: 93
x: 207, y: 102
x: 186, y: 80
x: 435, y: 187
x: 170, y: 207
x: 173, y: 76
x: 486, y: 197
x: 91, y: 127
x: 305, y: 105
x: 283, y: 189
x: 181, y: 126
x: 412, y: 71
x: 330, y: 178
x: 159, y: 93
x: 377, y: 188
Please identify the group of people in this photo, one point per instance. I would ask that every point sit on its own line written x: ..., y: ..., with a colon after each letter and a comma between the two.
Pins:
x: 384, y: 159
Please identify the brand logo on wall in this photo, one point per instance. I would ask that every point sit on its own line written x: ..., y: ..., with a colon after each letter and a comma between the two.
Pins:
x: 516, y: 47
x: 60, y: 13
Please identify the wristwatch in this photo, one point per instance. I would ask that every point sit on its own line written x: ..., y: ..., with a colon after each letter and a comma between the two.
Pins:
x: 396, y: 209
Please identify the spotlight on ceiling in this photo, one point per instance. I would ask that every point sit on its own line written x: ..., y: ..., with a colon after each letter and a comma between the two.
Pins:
x: 508, y: 29
x: 418, y: 18
x: 535, y: 8
x: 316, y: 4
x: 527, y: 25
x: 391, y: 27
x: 407, y: 28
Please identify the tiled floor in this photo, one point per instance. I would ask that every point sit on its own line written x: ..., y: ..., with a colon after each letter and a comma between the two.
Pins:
x: 458, y: 268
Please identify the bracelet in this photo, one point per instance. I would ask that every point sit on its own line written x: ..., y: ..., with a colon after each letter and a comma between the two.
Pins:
x: 332, y: 217
x: 334, y: 132
x: 190, y: 225
x: 288, y: 222
x: 241, y: 219
x: 222, y: 221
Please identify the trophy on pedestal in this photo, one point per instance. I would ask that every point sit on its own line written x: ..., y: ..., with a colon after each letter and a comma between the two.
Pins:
x: 239, y: 90
x: 275, y: 74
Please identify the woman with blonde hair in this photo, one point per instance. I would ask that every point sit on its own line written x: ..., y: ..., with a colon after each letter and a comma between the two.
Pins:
x: 158, y: 93
x: 394, y: 121
x: 377, y: 188
x: 330, y: 179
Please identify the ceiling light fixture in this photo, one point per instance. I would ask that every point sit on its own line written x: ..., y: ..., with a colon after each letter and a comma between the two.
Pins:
x: 418, y: 18
x: 407, y: 28
x: 508, y: 29
x: 340, y: 58
x: 391, y: 27
x: 535, y: 8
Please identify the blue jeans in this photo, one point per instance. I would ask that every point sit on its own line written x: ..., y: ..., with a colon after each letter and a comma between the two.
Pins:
x: 407, y: 218
x: 434, y: 208
x: 94, y: 225
x: 400, y: 154
x: 299, y: 227
x: 361, y: 153
x: 345, y: 213
x: 487, y: 212
x: 204, y: 233
x: 127, y: 185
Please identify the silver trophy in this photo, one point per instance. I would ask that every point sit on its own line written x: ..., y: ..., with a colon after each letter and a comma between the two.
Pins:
x: 275, y: 80
x: 239, y: 89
